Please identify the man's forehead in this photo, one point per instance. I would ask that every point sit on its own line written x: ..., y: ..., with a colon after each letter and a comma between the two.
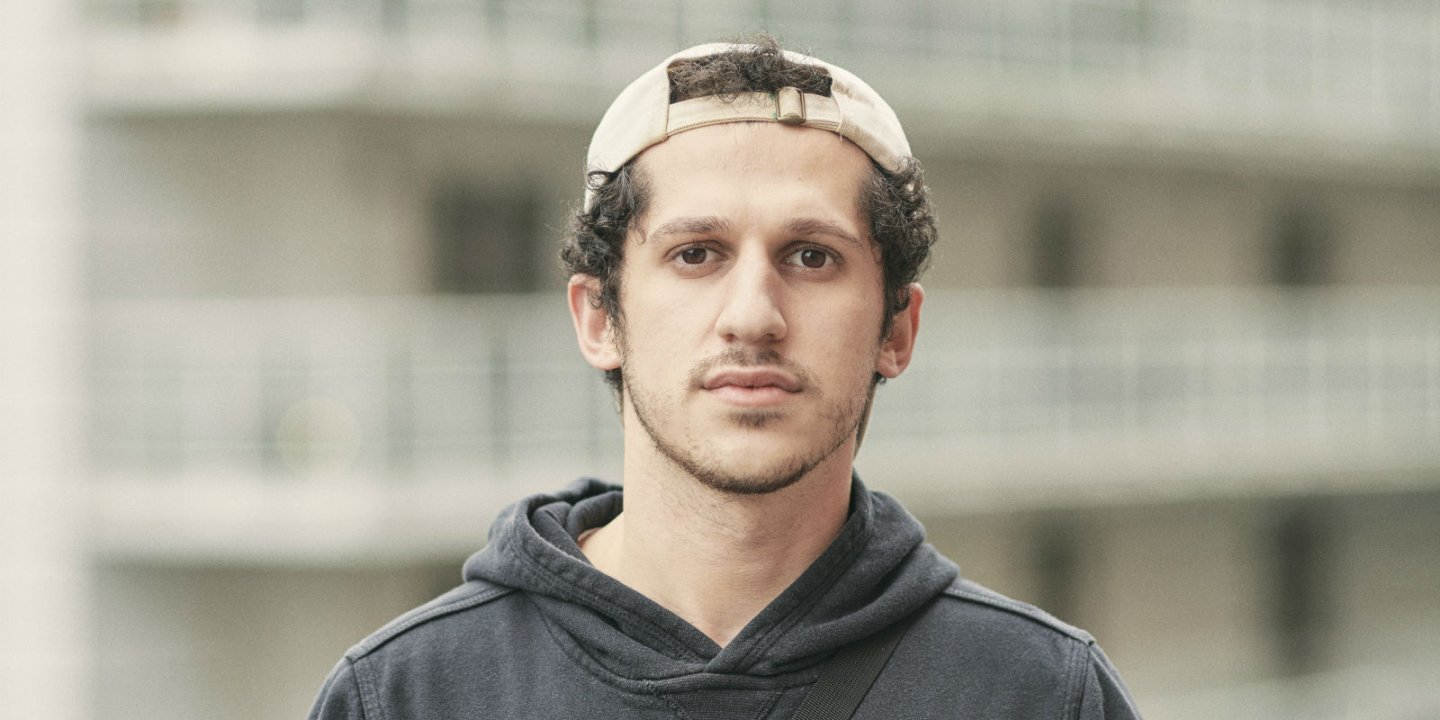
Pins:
x: 806, y: 179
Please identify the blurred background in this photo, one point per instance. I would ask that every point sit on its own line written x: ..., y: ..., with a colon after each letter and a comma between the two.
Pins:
x: 281, y: 327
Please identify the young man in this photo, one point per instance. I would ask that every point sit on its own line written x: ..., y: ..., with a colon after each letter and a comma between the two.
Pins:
x: 744, y: 273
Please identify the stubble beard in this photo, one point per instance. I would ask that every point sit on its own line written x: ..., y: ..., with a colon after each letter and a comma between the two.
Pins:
x: 841, y: 415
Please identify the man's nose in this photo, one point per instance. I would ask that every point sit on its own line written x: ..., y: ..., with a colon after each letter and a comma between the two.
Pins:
x: 752, y: 311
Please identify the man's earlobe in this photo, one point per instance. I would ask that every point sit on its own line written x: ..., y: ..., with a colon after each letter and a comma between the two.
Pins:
x: 593, y: 330
x: 899, y: 345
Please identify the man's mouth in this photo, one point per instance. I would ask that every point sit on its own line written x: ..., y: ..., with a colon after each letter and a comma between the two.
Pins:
x: 751, y: 386
x: 752, y: 379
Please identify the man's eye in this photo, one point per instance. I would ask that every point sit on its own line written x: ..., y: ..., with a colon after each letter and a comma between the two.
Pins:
x: 812, y: 258
x: 694, y: 255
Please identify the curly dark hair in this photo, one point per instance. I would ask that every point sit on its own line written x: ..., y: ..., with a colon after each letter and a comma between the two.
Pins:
x: 897, y: 204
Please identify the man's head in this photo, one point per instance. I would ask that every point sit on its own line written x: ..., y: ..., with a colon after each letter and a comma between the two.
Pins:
x: 745, y: 259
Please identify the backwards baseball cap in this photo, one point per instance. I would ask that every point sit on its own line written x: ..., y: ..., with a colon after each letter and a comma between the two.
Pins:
x: 642, y: 115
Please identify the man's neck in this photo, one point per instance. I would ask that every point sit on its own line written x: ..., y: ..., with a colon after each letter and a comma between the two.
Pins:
x: 717, y: 559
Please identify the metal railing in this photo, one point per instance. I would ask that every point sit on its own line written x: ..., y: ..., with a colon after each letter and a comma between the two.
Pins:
x: 1314, y: 70
x: 396, y: 390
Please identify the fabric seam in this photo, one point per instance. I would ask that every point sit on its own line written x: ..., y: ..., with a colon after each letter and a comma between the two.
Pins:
x: 1027, y: 612
x: 1077, y: 682
x: 385, y: 635
x: 369, y: 694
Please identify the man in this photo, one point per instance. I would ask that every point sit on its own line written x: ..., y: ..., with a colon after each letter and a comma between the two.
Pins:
x: 744, y: 273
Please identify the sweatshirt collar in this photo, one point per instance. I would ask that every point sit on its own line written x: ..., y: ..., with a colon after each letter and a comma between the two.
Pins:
x: 876, y: 571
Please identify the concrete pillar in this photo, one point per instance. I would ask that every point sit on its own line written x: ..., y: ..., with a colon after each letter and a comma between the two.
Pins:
x: 43, y: 583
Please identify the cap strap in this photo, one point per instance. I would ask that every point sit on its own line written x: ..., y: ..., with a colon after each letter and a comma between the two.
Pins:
x: 788, y: 106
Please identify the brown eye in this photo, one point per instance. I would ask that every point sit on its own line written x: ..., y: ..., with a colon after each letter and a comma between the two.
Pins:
x: 812, y: 258
x: 693, y: 256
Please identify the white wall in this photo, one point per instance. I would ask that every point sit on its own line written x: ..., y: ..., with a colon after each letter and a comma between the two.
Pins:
x: 44, y: 663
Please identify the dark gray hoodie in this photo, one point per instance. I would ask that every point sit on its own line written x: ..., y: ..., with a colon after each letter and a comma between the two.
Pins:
x: 538, y: 632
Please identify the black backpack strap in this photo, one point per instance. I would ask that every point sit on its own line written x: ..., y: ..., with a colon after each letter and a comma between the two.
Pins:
x: 849, y: 674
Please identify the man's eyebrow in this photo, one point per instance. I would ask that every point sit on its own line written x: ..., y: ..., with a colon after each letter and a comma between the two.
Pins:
x: 706, y: 225
x: 815, y: 226
x: 713, y: 225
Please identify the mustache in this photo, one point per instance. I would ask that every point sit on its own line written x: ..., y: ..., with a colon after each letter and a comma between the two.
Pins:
x: 737, y: 357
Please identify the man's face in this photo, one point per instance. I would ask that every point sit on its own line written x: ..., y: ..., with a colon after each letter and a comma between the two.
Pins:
x: 752, y: 302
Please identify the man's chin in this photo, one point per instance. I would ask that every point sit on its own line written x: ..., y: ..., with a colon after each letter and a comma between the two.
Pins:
x: 756, y: 419
x: 736, y: 481
x: 754, y: 465
x: 744, y: 451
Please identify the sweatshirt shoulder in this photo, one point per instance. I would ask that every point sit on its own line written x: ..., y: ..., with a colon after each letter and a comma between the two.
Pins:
x: 451, y: 606
x: 405, y: 668
x: 1023, y: 645
x: 994, y: 607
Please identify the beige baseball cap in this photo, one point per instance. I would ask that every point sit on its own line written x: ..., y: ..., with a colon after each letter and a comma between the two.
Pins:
x: 642, y: 115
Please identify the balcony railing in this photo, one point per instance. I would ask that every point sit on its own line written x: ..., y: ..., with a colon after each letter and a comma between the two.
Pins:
x: 1317, y: 71
x: 1157, y: 387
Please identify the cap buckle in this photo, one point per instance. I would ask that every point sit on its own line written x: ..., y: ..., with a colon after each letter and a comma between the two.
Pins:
x: 790, y: 106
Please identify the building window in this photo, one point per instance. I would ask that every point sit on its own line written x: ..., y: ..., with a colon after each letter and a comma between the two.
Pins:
x: 484, y: 242
x: 1300, y: 248
x: 395, y: 15
x: 152, y: 13
x: 1055, y: 244
x: 1300, y: 576
x: 1108, y: 33
x: 1057, y: 563
x: 280, y: 12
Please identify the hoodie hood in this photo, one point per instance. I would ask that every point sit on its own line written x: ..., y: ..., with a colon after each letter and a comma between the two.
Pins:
x: 876, y: 572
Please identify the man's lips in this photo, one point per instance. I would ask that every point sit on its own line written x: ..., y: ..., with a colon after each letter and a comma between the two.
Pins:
x: 752, y: 379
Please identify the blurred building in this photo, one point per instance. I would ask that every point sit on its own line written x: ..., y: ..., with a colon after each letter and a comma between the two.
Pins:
x: 286, y: 330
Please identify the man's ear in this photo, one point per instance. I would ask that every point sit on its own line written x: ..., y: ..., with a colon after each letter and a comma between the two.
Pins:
x: 592, y: 323
x: 899, y: 345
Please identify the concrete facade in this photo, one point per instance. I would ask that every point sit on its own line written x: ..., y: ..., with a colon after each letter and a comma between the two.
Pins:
x: 343, y: 203
x: 275, y: 278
